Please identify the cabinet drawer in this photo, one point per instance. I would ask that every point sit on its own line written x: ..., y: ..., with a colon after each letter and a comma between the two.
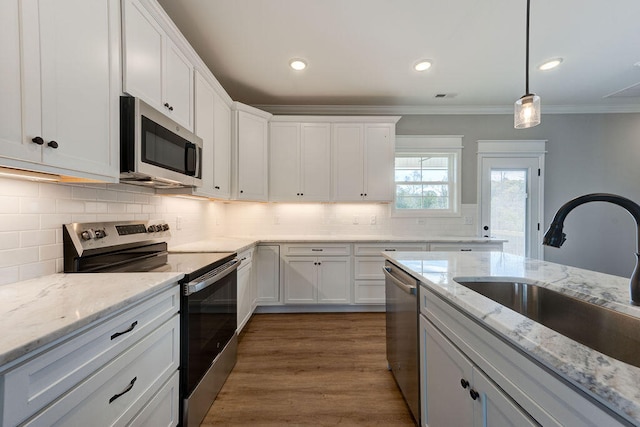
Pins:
x: 162, y: 410
x: 322, y: 249
x: 374, y: 249
x: 465, y: 247
x: 117, y: 392
x: 368, y: 268
x: 31, y: 386
x: 369, y: 292
x: 246, y: 257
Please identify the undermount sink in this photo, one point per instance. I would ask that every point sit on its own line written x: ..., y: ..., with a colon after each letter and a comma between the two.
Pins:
x: 612, y: 333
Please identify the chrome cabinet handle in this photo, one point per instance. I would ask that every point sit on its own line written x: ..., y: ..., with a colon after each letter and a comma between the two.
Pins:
x: 125, y: 391
x: 117, y: 334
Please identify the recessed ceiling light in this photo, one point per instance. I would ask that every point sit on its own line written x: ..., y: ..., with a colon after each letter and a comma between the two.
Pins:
x: 552, y: 63
x: 422, y: 65
x: 298, y: 64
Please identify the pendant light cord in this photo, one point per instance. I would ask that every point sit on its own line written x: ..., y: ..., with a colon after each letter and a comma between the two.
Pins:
x: 526, y: 75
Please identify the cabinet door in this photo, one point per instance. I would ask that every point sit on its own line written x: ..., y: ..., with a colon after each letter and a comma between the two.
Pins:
x: 252, y: 157
x: 347, y: 161
x: 448, y: 402
x: 284, y: 162
x: 300, y: 279
x: 315, y: 154
x: 204, y: 128
x: 334, y: 279
x: 143, y: 54
x: 11, y: 141
x: 75, y: 107
x: 268, y: 274
x: 244, y: 295
x: 222, y: 148
x: 178, y: 86
x: 379, y: 162
x: 494, y: 408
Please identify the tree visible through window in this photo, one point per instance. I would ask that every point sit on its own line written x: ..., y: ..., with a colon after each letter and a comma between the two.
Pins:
x: 424, y: 182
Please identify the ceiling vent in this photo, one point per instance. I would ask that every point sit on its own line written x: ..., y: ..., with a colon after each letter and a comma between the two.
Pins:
x: 446, y: 95
x: 628, y: 92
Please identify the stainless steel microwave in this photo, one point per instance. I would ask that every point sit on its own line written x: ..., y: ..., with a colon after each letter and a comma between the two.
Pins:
x: 154, y: 150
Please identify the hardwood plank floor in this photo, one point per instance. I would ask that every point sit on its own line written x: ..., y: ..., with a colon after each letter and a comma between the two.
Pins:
x: 311, y: 369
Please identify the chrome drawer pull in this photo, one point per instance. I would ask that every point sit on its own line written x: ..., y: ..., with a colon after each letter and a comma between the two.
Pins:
x: 125, y: 391
x: 117, y: 334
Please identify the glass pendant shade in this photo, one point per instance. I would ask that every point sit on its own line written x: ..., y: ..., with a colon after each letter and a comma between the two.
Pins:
x: 527, y: 112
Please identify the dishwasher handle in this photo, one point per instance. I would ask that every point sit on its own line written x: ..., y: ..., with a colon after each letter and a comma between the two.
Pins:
x: 411, y: 290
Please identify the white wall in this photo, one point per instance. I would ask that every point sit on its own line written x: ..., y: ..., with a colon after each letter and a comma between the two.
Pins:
x: 32, y: 214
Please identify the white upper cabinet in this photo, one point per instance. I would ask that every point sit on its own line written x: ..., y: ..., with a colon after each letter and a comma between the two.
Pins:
x: 155, y: 70
x: 213, y: 125
x: 300, y: 162
x: 363, y: 161
x: 250, y: 153
x: 60, y: 86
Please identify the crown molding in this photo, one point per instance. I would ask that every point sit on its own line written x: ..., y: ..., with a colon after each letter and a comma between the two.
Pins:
x: 406, y: 110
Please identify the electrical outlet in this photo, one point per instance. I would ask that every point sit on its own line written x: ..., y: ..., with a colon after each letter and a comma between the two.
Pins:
x: 468, y: 220
x: 178, y: 223
x: 373, y: 220
x: 356, y: 220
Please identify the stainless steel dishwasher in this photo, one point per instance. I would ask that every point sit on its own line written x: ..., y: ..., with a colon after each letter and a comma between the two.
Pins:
x: 402, y: 334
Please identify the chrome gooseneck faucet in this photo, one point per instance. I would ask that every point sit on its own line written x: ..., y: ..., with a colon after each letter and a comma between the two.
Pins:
x: 555, y: 237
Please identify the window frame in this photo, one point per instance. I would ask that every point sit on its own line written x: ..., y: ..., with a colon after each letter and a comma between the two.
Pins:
x: 436, y: 146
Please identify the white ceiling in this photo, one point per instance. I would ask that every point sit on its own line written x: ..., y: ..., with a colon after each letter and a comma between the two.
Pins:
x: 361, y: 52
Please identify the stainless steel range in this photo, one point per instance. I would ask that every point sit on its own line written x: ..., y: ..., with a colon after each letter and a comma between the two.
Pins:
x: 208, y: 307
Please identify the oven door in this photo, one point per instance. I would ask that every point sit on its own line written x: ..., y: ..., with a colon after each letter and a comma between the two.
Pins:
x: 209, y: 321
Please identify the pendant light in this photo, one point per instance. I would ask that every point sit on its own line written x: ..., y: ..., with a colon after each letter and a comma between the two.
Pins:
x: 527, y: 108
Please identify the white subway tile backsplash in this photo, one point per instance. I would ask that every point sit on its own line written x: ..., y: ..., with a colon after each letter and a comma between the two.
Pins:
x: 54, y: 191
x: 70, y: 206
x: 37, y: 205
x: 13, y: 257
x: 15, y: 187
x: 50, y: 252
x: 10, y: 240
x: 18, y: 222
x: 53, y: 221
x: 95, y: 207
x: 84, y: 193
x: 117, y: 208
x: 126, y: 197
x: 107, y: 195
x: 134, y: 208
x: 9, y: 204
x: 37, y: 238
x: 37, y: 269
x: 9, y: 275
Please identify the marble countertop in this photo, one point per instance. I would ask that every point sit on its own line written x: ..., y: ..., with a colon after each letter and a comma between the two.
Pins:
x: 613, y: 382
x: 240, y: 243
x: 37, y: 312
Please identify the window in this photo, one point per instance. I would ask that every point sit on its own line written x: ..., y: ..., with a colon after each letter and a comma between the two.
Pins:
x: 427, y: 181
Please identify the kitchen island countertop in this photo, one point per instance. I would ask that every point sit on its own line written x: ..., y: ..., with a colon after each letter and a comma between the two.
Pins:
x: 607, y: 380
x: 39, y: 311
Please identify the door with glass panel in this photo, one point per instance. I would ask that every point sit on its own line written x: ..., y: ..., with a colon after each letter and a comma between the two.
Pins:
x: 510, y: 202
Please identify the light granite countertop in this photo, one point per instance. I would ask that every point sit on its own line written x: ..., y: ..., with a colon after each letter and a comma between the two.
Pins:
x: 39, y: 311
x: 240, y: 243
x: 608, y: 380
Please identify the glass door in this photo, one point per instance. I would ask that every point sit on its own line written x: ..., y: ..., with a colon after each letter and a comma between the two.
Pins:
x: 510, y: 203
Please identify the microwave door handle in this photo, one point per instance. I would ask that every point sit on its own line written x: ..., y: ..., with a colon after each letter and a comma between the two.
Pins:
x: 190, y: 161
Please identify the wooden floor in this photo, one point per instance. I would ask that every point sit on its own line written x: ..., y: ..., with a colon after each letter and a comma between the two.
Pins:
x: 311, y: 369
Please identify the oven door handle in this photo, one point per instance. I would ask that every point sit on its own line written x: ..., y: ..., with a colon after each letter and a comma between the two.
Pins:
x: 205, y: 281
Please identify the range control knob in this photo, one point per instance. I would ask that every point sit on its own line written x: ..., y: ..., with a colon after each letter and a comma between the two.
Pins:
x: 100, y: 234
x: 152, y: 229
x: 165, y: 227
x: 87, y: 234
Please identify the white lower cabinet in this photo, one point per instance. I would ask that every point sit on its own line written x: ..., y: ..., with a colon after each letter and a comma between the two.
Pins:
x: 130, y: 356
x: 247, y: 292
x: 267, y: 265
x: 367, y: 269
x: 466, y: 247
x: 458, y: 393
x: 313, y: 279
x: 469, y: 376
x: 162, y: 410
